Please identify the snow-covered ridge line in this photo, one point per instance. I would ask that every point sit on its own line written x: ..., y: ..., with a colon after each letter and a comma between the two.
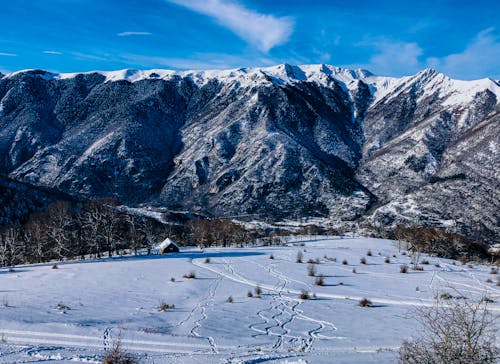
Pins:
x: 455, y: 91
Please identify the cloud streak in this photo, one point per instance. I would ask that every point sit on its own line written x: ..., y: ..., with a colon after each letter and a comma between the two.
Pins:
x: 52, y: 52
x: 3, y: 54
x: 261, y: 30
x: 479, y: 57
x: 128, y: 34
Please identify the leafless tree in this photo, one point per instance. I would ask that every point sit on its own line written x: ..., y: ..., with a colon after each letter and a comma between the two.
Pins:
x: 453, y: 332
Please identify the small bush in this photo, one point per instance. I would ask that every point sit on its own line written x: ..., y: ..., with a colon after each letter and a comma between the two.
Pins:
x: 11, y: 270
x: 417, y: 267
x: 311, y: 270
x: 61, y: 307
x: 403, y: 268
x: 489, y: 280
x: 487, y: 300
x: 304, y: 295
x: 172, y: 279
x: 249, y: 294
x: 369, y: 253
x: 344, y: 262
x: 493, y: 271
x: 190, y: 275
x: 463, y: 260
x: 55, y: 266
x: 258, y: 291
x: 271, y: 256
x: 437, y: 265
x: 417, y: 288
x: 165, y: 306
x: 207, y: 260
x: 354, y: 270
x: 387, y: 260
x: 298, y: 259
x: 230, y: 299
x: 424, y: 262
x: 403, y: 253
x: 320, y: 280
x: 365, y: 302
x: 445, y: 296
x: 362, y: 260
x: 118, y: 356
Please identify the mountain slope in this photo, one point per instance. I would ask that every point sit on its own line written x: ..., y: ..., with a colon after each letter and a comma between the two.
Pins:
x: 266, y: 142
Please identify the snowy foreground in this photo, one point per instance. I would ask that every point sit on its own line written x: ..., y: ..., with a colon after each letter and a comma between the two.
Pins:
x: 110, y: 296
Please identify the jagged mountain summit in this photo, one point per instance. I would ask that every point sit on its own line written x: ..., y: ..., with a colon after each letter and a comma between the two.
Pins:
x: 283, y: 141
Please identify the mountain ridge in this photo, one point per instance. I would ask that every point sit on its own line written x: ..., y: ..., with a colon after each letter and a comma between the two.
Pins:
x: 273, y: 142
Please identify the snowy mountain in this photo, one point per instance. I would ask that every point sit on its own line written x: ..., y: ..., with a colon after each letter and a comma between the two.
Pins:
x: 266, y: 142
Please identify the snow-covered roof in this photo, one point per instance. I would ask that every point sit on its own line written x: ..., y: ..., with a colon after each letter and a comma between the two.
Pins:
x: 165, y: 243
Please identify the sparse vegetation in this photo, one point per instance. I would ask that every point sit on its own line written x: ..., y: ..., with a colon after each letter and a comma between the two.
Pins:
x: 271, y: 256
x: 365, y: 302
x: 190, y: 275
x: 258, y: 291
x: 311, y: 270
x: 61, y: 307
x: 424, y: 262
x: 403, y: 268
x: 493, y: 270
x: 320, y: 280
x: 344, y: 262
x: 230, y: 299
x: 369, y: 253
x: 304, y: 295
x: 207, y: 260
x: 172, y: 279
x: 165, y: 307
x: 55, y: 266
x: 387, y: 260
x: 354, y: 270
x: 456, y: 332
x: 298, y: 259
x: 417, y: 267
x: 249, y: 294
x: 362, y: 260
x: 116, y: 355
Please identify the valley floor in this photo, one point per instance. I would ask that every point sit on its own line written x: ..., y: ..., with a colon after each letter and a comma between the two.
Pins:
x: 72, y: 314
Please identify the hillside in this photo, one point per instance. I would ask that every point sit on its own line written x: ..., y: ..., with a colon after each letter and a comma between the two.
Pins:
x: 75, y: 312
x: 278, y: 142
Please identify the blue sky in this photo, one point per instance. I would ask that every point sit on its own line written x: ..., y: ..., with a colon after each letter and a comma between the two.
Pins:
x: 387, y: 37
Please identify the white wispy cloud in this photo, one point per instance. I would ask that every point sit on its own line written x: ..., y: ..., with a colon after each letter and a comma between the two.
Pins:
x: 52, y: 52
x: 261, y: 30
x: 128, y: 34
x: 4, y: 54
x: 395, y: 58
x: 479, y: 57
x: 196, y: 61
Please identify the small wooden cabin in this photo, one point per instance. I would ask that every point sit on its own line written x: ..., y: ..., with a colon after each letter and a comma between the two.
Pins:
x: 166, y: 246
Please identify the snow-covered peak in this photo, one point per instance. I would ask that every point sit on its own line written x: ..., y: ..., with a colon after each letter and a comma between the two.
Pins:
x: 451, y: 91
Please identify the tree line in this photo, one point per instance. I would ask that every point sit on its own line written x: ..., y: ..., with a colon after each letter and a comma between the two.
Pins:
x: 100, y: 228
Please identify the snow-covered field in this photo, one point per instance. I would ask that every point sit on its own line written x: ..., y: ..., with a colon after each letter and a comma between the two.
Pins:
x: 121, y: 296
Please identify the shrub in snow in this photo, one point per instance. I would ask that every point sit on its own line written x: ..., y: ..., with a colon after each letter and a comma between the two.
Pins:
x: 354, y: 270
x: 417, y: 267
x: 387, y: 260
x: 362, y: 260
x: 55, y: 266
x: 271, y: 256
x: 425, y: 262
x: 190, y: 275
x: 344, y: 262
x: 304, y: 295
x: 207, y: 260
x: 258, y: 291
x: 403, y: 268
x: 320, y: 280
x: 453, y: 332
x: 172, y: 279
x: 249, y: 294
x: 298, y: 259
x: 365, y: 302
x: 118, y: 356
x: 311, y: 270
x: 493, y: 271
x: 369, y: 253
x: 489, y: 280
x: 165, y: 306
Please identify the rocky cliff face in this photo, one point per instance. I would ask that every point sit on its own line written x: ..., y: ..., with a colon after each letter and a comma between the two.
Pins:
x: 276, y: 142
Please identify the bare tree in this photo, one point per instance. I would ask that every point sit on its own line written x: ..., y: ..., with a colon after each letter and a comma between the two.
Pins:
x: 453, y: 332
